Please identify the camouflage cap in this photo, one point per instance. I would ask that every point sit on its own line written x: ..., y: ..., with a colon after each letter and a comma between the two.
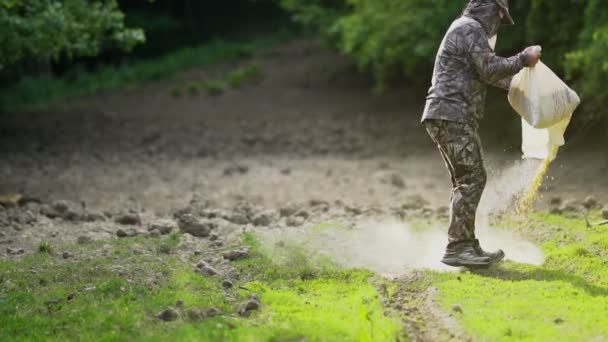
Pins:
x: 507, y: 19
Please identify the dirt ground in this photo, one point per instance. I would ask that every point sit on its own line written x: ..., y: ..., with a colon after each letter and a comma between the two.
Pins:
x: 311, y: 130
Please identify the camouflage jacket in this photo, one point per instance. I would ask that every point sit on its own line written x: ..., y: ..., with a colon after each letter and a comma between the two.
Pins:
x: 464, y: 65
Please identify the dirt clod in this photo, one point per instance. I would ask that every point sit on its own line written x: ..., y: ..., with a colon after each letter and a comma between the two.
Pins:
x: 206, y: 269
x: 67, y: 254
x: 82, y: 239
x: 457, y: 308
x: 288, y: 210
x: 164, y: 227
x: 168, y: 315
x: 590, y: 202
x: 15, y: 251
x: 294, y: 221
x: 252, y: 304
x: 397, y: 181
x: 123, y: 233
x: 242, y: 253
x: 194, y: 226
x: 263, y: 219
x: 128, y: 219
x: 605, y: 212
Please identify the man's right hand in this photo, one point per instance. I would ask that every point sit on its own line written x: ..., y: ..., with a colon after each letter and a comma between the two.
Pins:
x: 533, y: 54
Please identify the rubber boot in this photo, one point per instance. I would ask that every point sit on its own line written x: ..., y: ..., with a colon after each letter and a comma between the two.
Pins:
x: 464, y: 255
x: 494, y: 257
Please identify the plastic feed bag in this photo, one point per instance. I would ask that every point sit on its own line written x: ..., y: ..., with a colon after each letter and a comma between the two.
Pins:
x: 541, y: 98
x: 543, y: 143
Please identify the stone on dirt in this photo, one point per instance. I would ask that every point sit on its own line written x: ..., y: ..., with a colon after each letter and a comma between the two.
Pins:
x: 555, y: 201
x: 206, y: 269
x: 294, y: 221
x: 288, y: 210
x: 236, y: 170
x: 241, y: 253
x: 196, y: 227
x: 123, y: 233
x: 15, y: 251
x: 168, y: 315
x: 93, y: 216
x: 457, y: 308
x: 252, y: 304
x: 227, y: 284
x: 67, y: 254
x: 263, y: 219
x: 237, y: 218
x: 397, y: 181
x: 164, y: 227
x: 570, y: 206
x: 84, y: 239
x: 590, y: 202
x: 129, y: 219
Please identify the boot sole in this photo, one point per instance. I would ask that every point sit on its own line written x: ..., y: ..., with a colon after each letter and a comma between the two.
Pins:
x: 459, y: 263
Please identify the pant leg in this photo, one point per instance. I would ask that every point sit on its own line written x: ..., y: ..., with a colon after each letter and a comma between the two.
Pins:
x: 460, y: 147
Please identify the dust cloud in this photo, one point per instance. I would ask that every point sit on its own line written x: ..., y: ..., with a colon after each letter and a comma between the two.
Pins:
x: 392, y: 247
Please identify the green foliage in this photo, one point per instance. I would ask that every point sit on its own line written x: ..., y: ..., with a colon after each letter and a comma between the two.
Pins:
x: 42, y: 29
x: 40, y: 92
x: 248, y: 74
x: 214, y: 87
x: 45, y: 248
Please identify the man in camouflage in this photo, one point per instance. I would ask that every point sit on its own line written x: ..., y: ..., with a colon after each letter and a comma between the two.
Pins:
x: 465, y: 64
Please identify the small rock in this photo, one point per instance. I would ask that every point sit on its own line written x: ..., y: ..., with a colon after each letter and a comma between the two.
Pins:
x: 303, y: 214
x: 288, y: 210
x: 129, y: 219
x: 196, y: 227
x: 590, y: 202
x: 14, y: 251
x: 253, y: 303
x: 570, y: 207
x: 242, y: 253
x: 555, y: 201
x: 286, y: 171
x: 67, y: 254
x: 179, y: 304
x: 236, y: 169
x: 238, y: 218
x: 555, y: 210
x: 605, y: 213
x: 122, y: 233
x: 558, y: 320
x: 93, y: 217
x: 227, y: 284
x: 84, y: 239
x: 397, y: 181
x: 195, y: 314
x: 353, y: 210
x: 262, y: 219
x: 164, y: 227
x: 154, y: 233
x: 206, y: 269
x: 168, y: 315
x: 61, y: 206
x: 213, y: 312
x: 294, y: 221
x: 456, y: 308
x: 214, y: 237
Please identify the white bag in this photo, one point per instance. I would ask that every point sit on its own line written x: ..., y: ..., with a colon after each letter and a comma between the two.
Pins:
x: 542, y: 143
x: 542, y: 98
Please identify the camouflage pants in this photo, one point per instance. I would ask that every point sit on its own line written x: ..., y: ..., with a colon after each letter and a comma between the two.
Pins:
x: 460, y: 147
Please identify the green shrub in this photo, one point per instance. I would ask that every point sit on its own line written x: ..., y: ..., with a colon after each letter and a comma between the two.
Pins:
x: 214, y: 87
x: 249, y: 74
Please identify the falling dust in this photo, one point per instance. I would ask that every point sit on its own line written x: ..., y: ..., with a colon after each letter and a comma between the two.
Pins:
x: 392, y: 247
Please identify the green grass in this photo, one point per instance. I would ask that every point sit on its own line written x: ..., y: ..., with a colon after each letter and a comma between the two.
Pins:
x: 248, y: 74
x: 34, y: 93
x: 565, y: 299
x: 214, y: 87
x: 112, y: 291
